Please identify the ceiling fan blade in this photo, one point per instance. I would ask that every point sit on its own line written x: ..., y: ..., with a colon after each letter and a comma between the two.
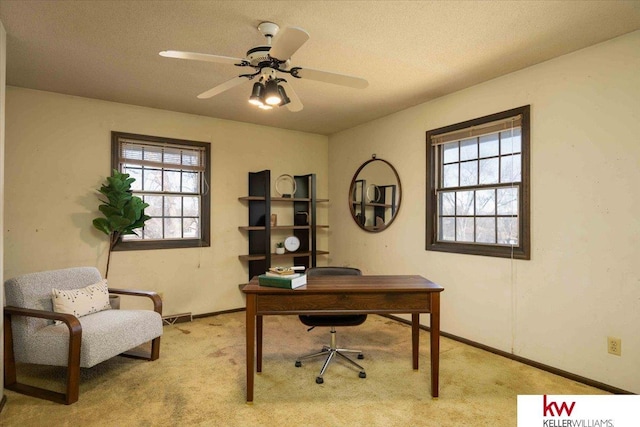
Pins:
x: 201, y: 57
x: 288, y: 42
x: 327, y: 77
x: 295, y: 105
x: 236, y: 81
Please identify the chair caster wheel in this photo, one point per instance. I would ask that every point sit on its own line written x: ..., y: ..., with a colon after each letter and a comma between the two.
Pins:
x: 298, y: 363
x: 360, y: 356
x: 362, y: 374
x: 319, y: 380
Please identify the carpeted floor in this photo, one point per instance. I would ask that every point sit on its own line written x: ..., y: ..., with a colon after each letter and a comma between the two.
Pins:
x: 199, y: 380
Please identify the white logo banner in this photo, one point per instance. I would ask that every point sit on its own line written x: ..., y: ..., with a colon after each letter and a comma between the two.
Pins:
x: 578, y: 411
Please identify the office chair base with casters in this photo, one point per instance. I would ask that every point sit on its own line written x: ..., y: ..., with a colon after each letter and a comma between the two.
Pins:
x: 331, y: 352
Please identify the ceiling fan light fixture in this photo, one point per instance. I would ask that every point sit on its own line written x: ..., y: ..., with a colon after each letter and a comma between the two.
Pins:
x: 269, y: 61
x: 257, y: 93
x: 283, y: 96
x: 272, y: 96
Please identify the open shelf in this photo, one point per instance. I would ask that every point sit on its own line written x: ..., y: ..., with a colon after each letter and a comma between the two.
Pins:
x: 257, y: 257
x: 279, y: 199
x: 278, y: 227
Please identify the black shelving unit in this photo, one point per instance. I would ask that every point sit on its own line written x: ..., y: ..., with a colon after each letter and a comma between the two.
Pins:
x: 259, y: 216
x: 359, y: 202
x: 383, y: 203
x: 304, y: 227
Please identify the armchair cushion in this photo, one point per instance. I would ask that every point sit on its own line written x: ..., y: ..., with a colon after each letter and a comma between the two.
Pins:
x: 104, y: 334
x: 83, y: 301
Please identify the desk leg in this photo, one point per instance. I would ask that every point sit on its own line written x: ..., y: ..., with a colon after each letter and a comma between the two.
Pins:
x: 415, y: 338
x: 435, y: 342
x: 258, y: 343
x: 251, y: 339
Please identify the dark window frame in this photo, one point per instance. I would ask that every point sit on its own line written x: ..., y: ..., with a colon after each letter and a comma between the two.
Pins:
x: 523, y: 249
x: 205, y: 193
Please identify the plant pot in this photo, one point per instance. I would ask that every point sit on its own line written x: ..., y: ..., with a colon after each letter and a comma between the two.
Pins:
x: 279, y: 251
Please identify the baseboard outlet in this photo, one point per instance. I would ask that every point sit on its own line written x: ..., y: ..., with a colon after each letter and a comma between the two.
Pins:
x: 177, y: 318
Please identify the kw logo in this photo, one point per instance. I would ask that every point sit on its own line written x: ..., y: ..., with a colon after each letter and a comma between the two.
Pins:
x: 548, y: 408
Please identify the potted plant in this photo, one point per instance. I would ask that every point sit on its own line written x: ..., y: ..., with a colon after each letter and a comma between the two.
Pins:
x: 123, y: 212
x: 280, y: 248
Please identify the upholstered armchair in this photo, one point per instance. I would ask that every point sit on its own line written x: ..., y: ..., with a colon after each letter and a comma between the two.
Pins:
x: 35, y: 333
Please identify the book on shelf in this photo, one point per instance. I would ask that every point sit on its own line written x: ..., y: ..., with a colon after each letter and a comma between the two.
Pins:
x: 281, y: 271
x: 287, y: 270
x: 282, y: 282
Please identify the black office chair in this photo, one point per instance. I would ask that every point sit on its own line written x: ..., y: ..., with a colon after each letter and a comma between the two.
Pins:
x: 332, y: 321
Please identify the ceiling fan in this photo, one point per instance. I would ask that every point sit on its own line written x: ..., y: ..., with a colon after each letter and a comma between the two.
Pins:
x: 271, y: 63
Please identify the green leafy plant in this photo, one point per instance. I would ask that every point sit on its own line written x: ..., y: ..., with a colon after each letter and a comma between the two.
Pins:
x: 123, y: 212
x: 280, y: 245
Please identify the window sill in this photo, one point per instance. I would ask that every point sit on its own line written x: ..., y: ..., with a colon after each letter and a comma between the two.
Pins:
x: 475, y: 249
x: 159, y: 244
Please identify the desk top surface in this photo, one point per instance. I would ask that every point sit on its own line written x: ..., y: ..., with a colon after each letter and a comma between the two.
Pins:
x: 347, y: 284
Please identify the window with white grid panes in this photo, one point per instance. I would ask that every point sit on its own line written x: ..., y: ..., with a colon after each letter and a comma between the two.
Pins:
x: 172, y: 177
x: 478, y: 189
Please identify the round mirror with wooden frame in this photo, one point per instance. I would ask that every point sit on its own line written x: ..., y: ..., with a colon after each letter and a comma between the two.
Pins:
x: 374, y: 195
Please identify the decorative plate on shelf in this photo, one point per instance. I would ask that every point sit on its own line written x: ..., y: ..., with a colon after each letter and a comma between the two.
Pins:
x: 291, y: 243
x: 373, y: 193
x: 286, y: 186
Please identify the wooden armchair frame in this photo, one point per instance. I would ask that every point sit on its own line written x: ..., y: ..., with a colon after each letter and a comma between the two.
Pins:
x: 75, y: 340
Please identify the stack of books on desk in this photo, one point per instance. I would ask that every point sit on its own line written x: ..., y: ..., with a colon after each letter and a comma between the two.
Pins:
x: 279, y: 277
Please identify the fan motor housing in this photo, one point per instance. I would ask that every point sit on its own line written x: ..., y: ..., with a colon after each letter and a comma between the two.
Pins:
x: 258, y: 54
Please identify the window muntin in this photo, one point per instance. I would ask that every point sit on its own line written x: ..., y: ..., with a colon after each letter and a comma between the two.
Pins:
x: 480, y: 212
x: 172, y: 177
x: 478, y: 188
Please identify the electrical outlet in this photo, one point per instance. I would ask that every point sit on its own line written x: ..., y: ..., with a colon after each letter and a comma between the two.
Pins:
x: 614, y: 346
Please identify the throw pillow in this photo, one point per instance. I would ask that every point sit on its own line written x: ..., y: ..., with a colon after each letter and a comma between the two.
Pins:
x: 83, y: 301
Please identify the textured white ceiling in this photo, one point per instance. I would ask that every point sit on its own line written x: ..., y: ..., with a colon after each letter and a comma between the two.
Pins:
x: 409, y: 51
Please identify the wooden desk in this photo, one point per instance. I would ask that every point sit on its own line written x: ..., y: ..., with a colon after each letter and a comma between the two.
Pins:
x: 345, y: 295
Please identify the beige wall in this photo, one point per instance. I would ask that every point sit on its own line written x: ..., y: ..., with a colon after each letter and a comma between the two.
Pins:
x: 582, y: 283
x: 3, y: 71
x: 58, y: 154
